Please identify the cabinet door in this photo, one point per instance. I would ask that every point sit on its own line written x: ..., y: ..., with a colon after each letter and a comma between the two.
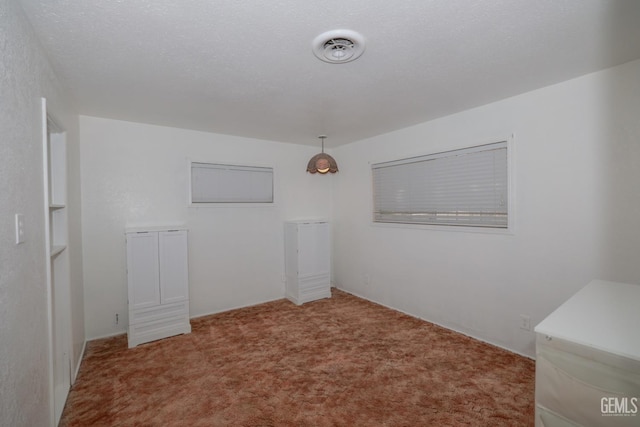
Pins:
x: 142, y: 270
x: 323, y: 248
x: 174, y: 266
x: 313, y: 249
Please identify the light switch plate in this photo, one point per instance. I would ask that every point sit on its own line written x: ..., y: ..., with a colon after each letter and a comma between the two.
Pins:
x: 19, y: 228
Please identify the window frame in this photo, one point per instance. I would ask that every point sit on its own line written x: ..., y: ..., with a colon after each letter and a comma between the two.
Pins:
x: 510, y: 229
x: 229, y: 204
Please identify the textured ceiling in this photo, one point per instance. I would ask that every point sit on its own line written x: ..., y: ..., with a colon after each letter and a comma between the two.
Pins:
x: 245, y: 67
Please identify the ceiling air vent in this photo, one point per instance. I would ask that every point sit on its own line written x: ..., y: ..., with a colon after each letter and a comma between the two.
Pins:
x: 338, y: 46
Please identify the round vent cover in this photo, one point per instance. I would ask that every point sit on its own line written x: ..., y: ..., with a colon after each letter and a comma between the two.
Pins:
x: 338, y: 46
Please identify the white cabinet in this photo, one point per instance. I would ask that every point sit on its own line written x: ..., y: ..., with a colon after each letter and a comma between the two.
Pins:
x: 307, y: 261
x: 158, y: 281
x: 588, y: 359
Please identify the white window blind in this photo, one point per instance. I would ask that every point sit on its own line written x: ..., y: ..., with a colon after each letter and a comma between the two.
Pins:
x: 218, y: 183
x: 465, y: 187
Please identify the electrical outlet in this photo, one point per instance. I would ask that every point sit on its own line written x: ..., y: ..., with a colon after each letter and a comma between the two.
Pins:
x: 525, y: 322
x: 117, y: 318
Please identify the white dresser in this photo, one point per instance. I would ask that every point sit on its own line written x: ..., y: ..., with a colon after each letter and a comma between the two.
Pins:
x: 158, y: 282
x: 307, y: 260
x: 588, y: 359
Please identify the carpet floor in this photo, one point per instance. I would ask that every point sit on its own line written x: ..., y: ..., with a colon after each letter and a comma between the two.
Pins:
x: 341, y: 361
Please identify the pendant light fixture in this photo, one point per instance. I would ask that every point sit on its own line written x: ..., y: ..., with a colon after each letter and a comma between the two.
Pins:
x: 322, y: 162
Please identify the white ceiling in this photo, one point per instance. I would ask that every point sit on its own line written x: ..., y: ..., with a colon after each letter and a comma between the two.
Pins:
x: 245, y: 67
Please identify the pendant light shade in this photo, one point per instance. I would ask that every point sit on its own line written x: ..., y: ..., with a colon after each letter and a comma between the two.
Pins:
x: 322, y: 162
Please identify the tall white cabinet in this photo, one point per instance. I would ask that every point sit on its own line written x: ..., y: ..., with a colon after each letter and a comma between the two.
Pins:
x: 158, y: 284
x: 307, y: 261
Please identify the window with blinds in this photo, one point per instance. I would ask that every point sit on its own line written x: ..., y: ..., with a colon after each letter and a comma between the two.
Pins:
x: 467, y: 187
x: 218, y: 183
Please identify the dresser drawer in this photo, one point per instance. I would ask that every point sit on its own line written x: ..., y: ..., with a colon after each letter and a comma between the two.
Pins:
x: 573, y: 380
x: 314, y: 283
x: 157, y: 329
x: 159, y: 312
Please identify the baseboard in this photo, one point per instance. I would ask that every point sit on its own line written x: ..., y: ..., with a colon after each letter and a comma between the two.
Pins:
x: 441, y: 325
x: 77, y: 370
x: 235, y: 308
x: 115, y: 334
x: 192, y: 316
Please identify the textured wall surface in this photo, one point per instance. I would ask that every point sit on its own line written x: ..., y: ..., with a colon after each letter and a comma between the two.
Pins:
x: 25, y: 77
x: 576, y: 172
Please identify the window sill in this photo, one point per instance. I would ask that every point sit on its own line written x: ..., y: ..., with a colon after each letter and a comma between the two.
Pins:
x: 447, y: 228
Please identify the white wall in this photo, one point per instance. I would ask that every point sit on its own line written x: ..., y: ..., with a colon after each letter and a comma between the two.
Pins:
x: 25, y: 77
x: 137, y: 174
x: 576, y: 174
